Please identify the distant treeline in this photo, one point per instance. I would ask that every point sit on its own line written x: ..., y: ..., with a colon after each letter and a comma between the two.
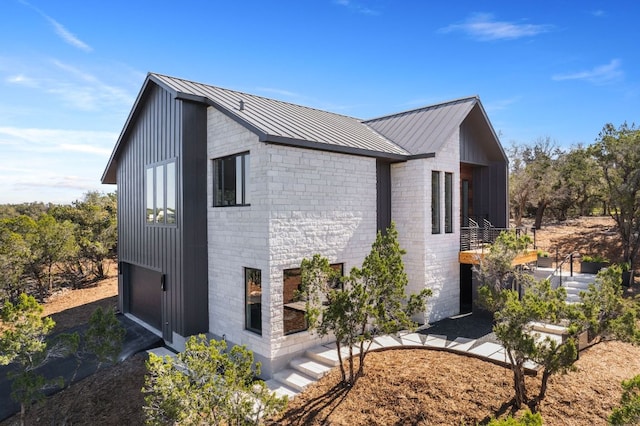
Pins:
x: 47, y: 246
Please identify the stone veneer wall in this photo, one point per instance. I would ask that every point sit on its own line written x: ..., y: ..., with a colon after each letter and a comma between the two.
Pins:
x: 302, y: 202
x: 431, y: 259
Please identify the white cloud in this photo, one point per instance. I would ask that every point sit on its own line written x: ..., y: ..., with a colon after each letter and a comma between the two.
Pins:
x: 501, y: 104
x: 60, y: 30
x: 484, y: 27
x: 68, y: 36
x: 356, y: 7
x: 55, y: 140
x: 598, y: 13
x: 22, y: 80
x: 601, y: 74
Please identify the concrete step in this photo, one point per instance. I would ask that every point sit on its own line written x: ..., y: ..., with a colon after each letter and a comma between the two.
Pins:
x: 310, y: 367
x: 575, y: 298
x: 294, y: 379
x: 281, y: 389
x: 544, y: 327
x: 323, y: 355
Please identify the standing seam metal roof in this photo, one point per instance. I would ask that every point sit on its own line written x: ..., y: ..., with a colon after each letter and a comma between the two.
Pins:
x: 279, y: 121
x: 425, y: 129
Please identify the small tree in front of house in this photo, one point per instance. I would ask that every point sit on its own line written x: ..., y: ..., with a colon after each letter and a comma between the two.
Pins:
x: 371, y: 302
x: 23, y: 342
x: 628, y: 412
x: 207, y: 384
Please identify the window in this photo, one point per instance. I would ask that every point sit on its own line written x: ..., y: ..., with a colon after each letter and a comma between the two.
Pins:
x: 448, y: 203
x: 160, y: 196
x: 253, y: 299
x: 230, y: 178
x: 435, y: 202
x: 294, y: 306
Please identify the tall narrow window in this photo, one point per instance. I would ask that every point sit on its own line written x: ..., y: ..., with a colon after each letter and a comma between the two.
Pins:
x: 160, y: 197
x: 253, y: 299
x: 230, y: 178
x: 448, y: 203
x: 435, y: 202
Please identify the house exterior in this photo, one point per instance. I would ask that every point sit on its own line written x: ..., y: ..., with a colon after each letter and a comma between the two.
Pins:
x: 221, y: 194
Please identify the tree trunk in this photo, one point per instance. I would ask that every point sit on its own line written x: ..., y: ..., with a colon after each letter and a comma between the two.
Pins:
x: 543, y: 386
x: 540, y: 214
x: 344, y: 375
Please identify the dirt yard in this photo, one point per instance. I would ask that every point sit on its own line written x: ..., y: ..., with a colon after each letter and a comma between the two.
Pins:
x: 400, y: 386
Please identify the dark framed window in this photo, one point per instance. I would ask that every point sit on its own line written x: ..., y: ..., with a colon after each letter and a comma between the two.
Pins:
x: 294, y: 306
x: 161, y: 196
x: 253, y: 299
x: 448, y: 203
x: 230, y: 180
x: 435, y: 202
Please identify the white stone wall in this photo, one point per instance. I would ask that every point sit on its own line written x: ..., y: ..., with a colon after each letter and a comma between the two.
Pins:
x: 431, y: 259
x: 320, y: 202
x: 237, y: 236
x: 303, y: 202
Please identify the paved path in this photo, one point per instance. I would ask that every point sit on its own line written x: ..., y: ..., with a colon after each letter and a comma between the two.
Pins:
x: 468, y: 335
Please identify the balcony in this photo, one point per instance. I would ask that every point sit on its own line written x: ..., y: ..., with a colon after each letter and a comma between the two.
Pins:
x: 476, y: 238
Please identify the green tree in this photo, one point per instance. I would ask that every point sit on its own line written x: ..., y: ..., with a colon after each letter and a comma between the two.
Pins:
x: 206, y: 384
x: 617, y: 153
x: 23, y: 342
x: 14, y: 254
x: 527, y: 419
x: 628, y: 412
x: 95, y: 231
x: 51, y: 242
x: 372, y: 301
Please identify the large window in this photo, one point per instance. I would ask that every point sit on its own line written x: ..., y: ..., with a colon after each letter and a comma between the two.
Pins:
x: 160, y: 199
x: 448, y: 203
x: 230, y: 180
x: 253, y: 299
x: 294, y: 306
x: 435, y: 202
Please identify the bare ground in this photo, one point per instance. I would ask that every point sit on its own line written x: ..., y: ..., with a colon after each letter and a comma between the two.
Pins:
x: 407, y: 386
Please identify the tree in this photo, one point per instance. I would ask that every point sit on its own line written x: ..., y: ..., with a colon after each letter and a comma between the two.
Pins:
x: 617, y: 153
x: 628, y: 412
x: 95, y: 231
x: 206, y: 384
x: 533, y: 178
x: 14, y: 253
x: 496, y: 270
x: 372, y: 301
x: 50, y: 242
x: 23, y: 342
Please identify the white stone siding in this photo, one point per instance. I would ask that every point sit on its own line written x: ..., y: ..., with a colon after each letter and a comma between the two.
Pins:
x: 303, y: 202
x: 432, y: 259
x: 237, y: 236
x: 320, y: 202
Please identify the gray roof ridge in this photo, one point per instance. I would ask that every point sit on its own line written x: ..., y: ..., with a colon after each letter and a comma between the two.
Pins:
x: 256, y: 96
x: 423, y: 108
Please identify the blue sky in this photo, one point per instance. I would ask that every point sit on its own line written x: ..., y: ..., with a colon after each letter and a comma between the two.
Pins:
x: 70, y: 69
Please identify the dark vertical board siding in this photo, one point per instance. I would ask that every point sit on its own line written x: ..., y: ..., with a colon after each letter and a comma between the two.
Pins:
x: 383, y: 194
x: 154, y: 247
x: 194, y: 201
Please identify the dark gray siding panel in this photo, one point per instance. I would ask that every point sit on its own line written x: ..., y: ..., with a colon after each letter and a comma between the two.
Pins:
x: 383, y: 194
x: 490, y: 191
x: 154, y: 137
x: 194, y: 202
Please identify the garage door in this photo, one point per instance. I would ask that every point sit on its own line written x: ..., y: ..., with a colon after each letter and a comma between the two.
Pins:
x: 145, y: 295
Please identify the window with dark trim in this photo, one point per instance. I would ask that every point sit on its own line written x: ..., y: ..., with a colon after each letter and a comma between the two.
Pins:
x: 435, y: 202
x: 448, y: 203
x: 230, y: 180
x: 160, y: 197
x: 294, y: 307
x: 253, y: 299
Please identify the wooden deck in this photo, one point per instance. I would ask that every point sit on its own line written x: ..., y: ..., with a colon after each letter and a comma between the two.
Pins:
x: 473, y: 257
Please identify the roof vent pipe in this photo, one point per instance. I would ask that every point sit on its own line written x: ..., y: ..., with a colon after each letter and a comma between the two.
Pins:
x: 241, y: 105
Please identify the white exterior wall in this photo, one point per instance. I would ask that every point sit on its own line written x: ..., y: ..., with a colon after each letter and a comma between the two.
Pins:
x: 432, y: 259
x: 303, y: 202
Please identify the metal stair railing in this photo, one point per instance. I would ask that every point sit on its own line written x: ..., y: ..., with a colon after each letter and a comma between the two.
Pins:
x: 559, y: 268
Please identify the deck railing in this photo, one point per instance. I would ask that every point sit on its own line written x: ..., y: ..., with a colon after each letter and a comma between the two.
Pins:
x: 477, y: 235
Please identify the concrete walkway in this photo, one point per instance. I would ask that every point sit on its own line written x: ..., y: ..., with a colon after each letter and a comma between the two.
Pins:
x: 310, y: 367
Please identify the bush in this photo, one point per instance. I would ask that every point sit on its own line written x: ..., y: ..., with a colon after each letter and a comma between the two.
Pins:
x: 527, y: 419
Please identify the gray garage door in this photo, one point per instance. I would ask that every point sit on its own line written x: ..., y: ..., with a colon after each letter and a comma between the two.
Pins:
x: 145, y: 295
